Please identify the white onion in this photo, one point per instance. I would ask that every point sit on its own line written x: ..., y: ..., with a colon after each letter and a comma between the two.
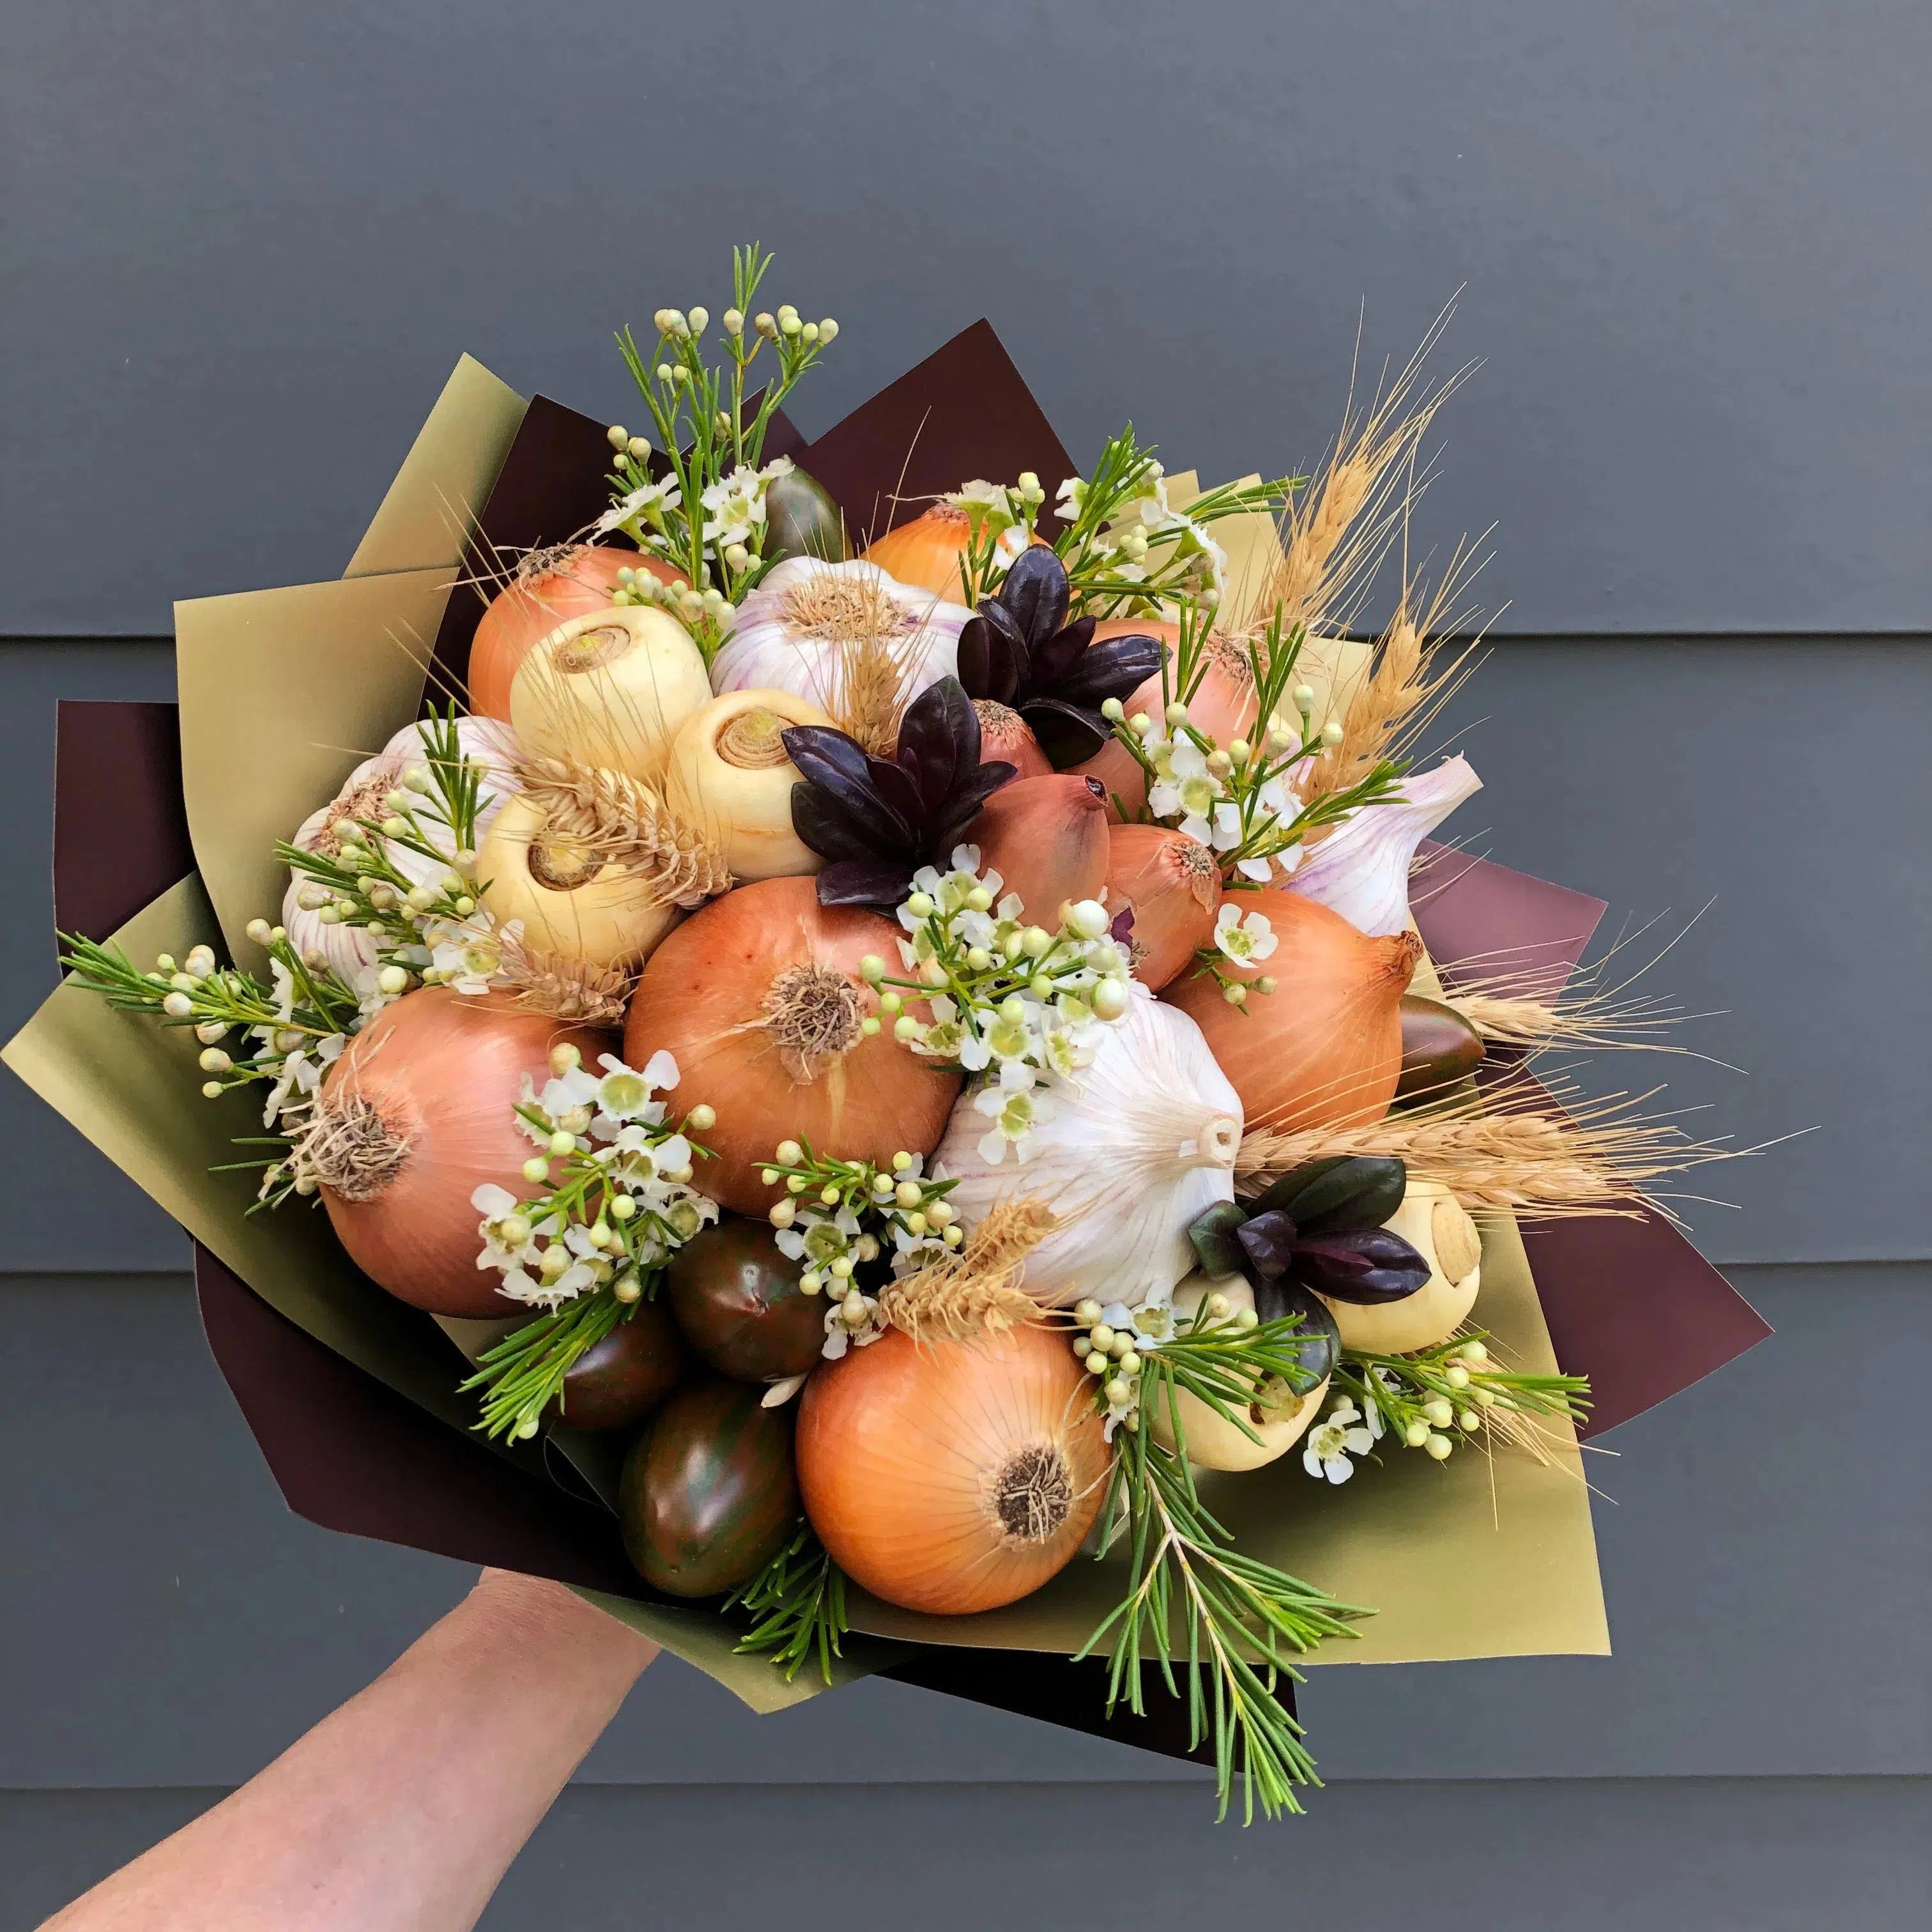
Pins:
x: 348, y: 949
x: 791, y: 632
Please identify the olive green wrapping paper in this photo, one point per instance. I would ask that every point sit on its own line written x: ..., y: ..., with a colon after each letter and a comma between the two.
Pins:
x: 283, y: 692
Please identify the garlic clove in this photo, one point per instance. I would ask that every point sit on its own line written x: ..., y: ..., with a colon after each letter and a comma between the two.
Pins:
x: 730, y: 775
x: 609, y: 688
x: 1361, y: 869
x: 1438, y: 1226
x: 1213, y: 1441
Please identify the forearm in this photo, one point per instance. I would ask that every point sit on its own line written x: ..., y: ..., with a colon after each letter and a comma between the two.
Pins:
x: 399, y: 1812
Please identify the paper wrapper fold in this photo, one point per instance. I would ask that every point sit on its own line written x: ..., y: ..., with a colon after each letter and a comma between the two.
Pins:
x: 353, y: 1396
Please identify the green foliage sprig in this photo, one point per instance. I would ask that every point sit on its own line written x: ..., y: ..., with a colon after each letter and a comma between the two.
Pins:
x: 799, y: 1600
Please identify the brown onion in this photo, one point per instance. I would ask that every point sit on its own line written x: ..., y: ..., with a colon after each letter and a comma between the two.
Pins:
x: 1173, y: 884
x: 1324, y: 1048
x: 927, y: 553
x: 1224, y: 707
x: 1004, y: 734
x: 1047, y: 839
x: 759, y: 997
x: 549, y: 589
x: 413, y: 1118
x: 952, y: 1477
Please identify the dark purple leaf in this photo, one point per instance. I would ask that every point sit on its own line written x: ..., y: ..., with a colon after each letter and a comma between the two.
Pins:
x: 1317, y: 1341
x: 1054, y: 661
x: 1036, y: 592
x: 1121, y: 931
x: 833, y: 831
x: 899, y: 791
x: 941, y: 731
x: 1067, y: 734
x: 992, y: 655
x: 1115, y: 667
x: 832, y: 748
x: 861, y: 798
x: 1365, y: 1265
x: 1268, y: 1242
x: 864, y: 882
x: 964, y: 806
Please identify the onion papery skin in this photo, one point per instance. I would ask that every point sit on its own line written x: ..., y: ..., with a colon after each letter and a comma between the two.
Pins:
x: 745, y: 809
x: 1004, y: 735
x: 1324, y: 1048
x: 927, y: 552
x: 610, y: 688
x: 1047, y: 839
x: 906, y: 1450
x: 350, y: 949
x: 1173, y: 886
x: 705, y: 997
x: 444, y: 1072
x: 531, y: 607
x: 610, y: 921
x: 1224, y: 707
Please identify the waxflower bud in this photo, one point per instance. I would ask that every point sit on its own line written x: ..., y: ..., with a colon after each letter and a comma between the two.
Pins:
x: 1087, y: 919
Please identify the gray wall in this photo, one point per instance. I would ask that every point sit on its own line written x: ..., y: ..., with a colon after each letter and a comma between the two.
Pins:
x: 247, y: 241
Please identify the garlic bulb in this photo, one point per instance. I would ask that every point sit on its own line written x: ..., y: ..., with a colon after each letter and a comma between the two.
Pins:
x: 348, y: 949
x: 1438, y: 1226
x: 1129, y: 1150
x: 1360, y: 870
x: 809, y: 626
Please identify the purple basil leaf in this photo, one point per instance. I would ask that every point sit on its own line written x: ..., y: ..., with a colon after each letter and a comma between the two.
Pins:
x: 1318, y: 1342
x: 992, y: 654
x: 1067, y: 734
x: 864, y: 882
x: 833, y: 750
x: 861, y: 801
x: 964, y: 806
x: 1036, y: 592
x: 1121, y: 932
x: 834, y: 831
x: 941, y: 731
x: 1115, y: 667
x: 1268, y: 1241
x: 898, y: 790
x: 1365, y: 1265
x: 1056, y: 660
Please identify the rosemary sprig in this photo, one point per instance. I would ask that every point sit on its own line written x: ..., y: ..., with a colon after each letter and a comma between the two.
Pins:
x: 1241, y: 1620
x: 799, y: 1598
x: 524, y: 1373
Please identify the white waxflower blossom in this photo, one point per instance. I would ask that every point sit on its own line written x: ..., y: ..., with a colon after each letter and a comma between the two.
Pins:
x: 1333, y: 1440
x: 1246, y: 939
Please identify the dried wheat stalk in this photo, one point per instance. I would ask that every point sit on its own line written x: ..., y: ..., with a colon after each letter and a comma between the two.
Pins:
x: 563, y: 988
x: 622, y: 821
x: 976, y: 1290
x: 1546, y: 1160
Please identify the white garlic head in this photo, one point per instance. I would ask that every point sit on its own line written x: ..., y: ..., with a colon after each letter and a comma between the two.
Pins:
x: 797, y: 632
x: 1140, y: 1143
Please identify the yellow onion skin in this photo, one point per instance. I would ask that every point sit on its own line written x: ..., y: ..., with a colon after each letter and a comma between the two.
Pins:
x: 444, y: 1071
x: 1224, y: 707
x: 1173, y: 885
x: 951, y: 1477
x: 1324, y: 1048
x: 569, y: 585
x: 712, y: 995
x: 927, y: 552
x: 1047, y: 839
x: 1005, y: 735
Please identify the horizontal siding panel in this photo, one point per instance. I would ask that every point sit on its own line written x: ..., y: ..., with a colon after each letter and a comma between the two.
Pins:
x: 1688, y: 239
